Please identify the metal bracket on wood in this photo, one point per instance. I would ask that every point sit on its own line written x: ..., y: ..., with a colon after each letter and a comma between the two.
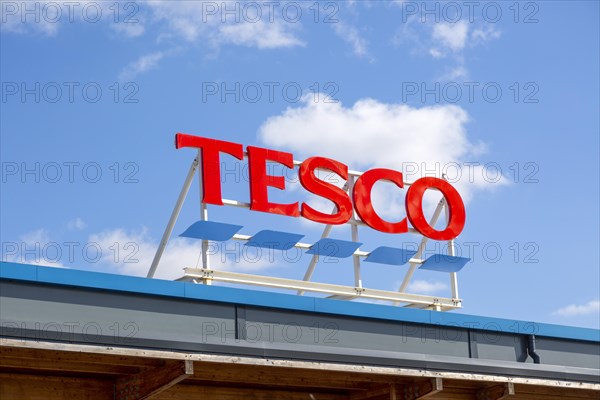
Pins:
x: 423, y: 389
x: 497, y: 392
x: 147, y: 384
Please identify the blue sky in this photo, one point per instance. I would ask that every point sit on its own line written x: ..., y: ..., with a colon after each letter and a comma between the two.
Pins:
x: 504, y: 96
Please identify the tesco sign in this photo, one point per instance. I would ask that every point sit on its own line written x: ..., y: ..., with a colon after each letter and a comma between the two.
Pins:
x: 359, y: 199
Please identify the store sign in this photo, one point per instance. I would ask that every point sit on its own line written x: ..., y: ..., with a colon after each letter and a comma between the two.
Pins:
x: 359, y: 199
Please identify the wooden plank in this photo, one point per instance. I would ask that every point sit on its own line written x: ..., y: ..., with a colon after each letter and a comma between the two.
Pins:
x: 573, y: 392
x: 275, y: 376
x: 187, y: 391
x: 147, y: 384
x: 497, y: 392
x: 32, y: 387
x: 61, y: 356
x: 423, y: 389
x: 47, y: 364
x: 389, y: 391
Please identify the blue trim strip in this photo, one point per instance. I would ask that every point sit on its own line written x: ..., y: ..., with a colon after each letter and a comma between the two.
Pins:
x: 111, y: 282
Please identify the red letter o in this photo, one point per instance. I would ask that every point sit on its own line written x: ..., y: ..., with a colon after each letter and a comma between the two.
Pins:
x: 362, y: 199
x: 414, y: 208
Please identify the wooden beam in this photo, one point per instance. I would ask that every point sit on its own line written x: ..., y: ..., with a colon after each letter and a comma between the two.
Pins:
x: 43, y: 365
x: 62, y: 356
x: 423, y: 389
x: 147, y: 384
x: 390, y: 391
x: 274, y: 376
x: 190, y: 391
x: 497, y: 392
x: 35, y: 387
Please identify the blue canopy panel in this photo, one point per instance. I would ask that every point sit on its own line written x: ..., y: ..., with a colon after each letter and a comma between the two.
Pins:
x: 334, y: 248
x: 390, y: 255
x: 210, y: 230
x: 274, y: 240
x: 444, y: 263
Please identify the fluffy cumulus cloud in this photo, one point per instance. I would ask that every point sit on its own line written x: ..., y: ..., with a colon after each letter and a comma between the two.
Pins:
x: 427, y: 141
x: 572, y: 310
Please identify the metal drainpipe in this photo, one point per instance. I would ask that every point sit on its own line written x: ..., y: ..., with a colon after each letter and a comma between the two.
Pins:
x: 531, y: 349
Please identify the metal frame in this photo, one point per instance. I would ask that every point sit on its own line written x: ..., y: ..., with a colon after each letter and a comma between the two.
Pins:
x: 206, y: 275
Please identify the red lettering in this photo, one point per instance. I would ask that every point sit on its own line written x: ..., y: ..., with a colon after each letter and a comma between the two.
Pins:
x: 414, y: 208
x: 260, y: 180
x: 211, y: 170
x: 324, y: 189
x: 362, y: 199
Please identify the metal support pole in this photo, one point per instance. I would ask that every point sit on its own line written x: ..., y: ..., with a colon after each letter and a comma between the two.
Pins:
x: 354, y: 230
x: 451, y: 252
x: 413, y: 266
x: 315, y: 258
x: 174, y: 215
x: 203, y: 211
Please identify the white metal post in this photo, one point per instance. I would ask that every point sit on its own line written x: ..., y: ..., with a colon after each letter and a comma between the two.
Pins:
x: 174, y: 215
x: 354, y: 230
x: 315, y: 258
x: 413, y: 266
x: 203, y: 211
x: 451, y: 252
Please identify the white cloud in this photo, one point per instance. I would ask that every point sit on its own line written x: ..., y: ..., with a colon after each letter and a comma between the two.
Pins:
x: 142, y: 64
x: 48, y: 16
x: 425, y: 287
x: 30, y: 17
x: 451, y: 35
x: 485, y: 34
x: 591, y: 307
x: 446, y: 40
x: 351, y: 35
x: 435, y: 53
x: 263, y: 35
x: 207, y: 20
x: 136, y: 250
x: 129, y: 29
x: 34, y: 248
x: 371, y: 133
x: 76, y: 224
x: 457, y: 73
